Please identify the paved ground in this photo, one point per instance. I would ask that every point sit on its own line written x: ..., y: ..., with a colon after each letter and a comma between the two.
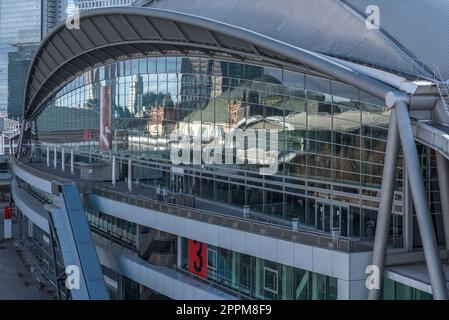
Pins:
x: 17, y: 280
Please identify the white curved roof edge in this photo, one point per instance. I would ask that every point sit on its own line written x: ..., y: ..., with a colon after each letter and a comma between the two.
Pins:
x: 418, y: 86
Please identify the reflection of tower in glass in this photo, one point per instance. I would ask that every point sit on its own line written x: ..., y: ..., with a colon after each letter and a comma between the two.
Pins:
x: 197, y: 85
x: 217, y: 80
x: 90, y: 90
x: 135, y: 95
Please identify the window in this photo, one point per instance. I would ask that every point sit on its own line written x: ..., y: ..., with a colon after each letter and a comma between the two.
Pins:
x: 270, y: 283
x: 211, y: 262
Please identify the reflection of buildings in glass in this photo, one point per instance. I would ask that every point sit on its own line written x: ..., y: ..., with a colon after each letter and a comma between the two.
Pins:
x: 18, y: 64
x: 234, y: 109
x: 198, y: 85
x: 135, y: 99
x: 217, y: 79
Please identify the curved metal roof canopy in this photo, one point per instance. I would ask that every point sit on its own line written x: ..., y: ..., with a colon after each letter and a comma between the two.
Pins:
x: 111, y: 33
x: 412, y: 38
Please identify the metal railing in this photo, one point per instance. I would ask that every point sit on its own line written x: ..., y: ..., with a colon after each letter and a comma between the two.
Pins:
x: 299, y: 236
x: 313, y: 238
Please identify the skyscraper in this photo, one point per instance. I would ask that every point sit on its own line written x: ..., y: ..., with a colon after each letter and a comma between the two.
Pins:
x: 20, y: 25
x: 18, y: 64
x: 23, y: 24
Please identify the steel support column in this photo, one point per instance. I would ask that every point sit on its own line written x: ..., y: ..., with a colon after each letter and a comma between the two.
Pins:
x: 130, y: 175
x: 48, y: 157
x: 385, y: 204
x: 429, y: 241
x: 55, y: 158
x: 63, y: 159
x: 72, y: 162
x: 443, y: 180
x: 113, y: 171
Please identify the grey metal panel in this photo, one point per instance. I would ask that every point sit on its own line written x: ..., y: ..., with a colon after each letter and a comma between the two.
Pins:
x: 168, y: 29
x: 70, y: 41
x: 54, y: 52
x: 49, y: 59
x: 66, y: 51
x: 42, y: 65
x: 421, y: 27
x: 333, y: 28
x: 108, y: 30
x: 96, y: 36
x: 201, y: 35
x: 232, y: 42
x: 82, y: 38
x: 125, y: 30
x: 144, y: 27
x: 433, y: 135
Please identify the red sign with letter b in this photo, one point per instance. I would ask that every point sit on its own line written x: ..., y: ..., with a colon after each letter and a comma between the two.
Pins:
x: 198, y: 258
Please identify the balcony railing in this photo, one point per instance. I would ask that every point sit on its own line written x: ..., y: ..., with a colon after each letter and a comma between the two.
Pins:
x: 300, y: 236
x: 239, y: 223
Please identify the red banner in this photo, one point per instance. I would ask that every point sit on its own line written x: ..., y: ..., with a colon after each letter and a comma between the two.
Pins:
x: 198, y: 258
x: 86, y: 135
x: 8, y: 213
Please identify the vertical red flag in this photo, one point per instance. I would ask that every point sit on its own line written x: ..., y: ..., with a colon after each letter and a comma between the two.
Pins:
x: 7, y: 225
x: 8, y: 212
x: 86, y: 135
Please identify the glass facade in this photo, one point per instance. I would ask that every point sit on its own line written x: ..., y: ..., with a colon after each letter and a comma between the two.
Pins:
x: 398, y: 291
x: 116, y: 229
x: 120, y: 287
x: 331, y: 137
x: 261, y: 279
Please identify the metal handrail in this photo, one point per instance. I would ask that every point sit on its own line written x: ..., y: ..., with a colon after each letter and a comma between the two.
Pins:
x: 300, y: 236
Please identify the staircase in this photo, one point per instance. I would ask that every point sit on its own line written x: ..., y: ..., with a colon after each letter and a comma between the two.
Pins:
x: 155, y: 246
